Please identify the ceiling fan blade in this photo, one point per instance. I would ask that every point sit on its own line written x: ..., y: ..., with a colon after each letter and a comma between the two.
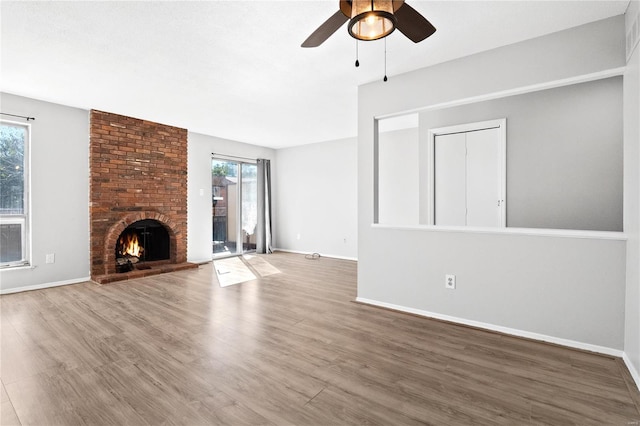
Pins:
x: 412, y: 24
x: 325, y: 30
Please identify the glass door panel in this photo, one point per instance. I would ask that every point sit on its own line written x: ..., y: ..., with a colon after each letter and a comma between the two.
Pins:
x: 234, y: 207
x: 224, y: 186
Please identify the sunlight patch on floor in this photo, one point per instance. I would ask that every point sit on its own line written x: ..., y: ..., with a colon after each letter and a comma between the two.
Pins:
x: 236, y: 270
x: 261, y: 266
x: 232, y: 271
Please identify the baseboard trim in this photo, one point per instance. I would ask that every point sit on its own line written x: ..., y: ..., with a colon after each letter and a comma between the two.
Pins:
x: 500, y: 329
x: 634, y: 373
x: 333, y: 256
x: 45, y: 285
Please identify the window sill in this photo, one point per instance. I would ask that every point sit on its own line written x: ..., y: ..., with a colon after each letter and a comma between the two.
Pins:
x: 538, y: 232
x: 16, y: 267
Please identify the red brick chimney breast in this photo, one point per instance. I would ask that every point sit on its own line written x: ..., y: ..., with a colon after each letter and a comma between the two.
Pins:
x: 137, y: 171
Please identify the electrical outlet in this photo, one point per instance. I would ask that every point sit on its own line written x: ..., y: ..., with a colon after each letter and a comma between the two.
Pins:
x: 450, y: 281
x: 50, y: 258
x: 298, y: 236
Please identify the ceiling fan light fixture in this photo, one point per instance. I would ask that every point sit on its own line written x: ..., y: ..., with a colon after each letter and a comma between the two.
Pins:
x: 371, y: 19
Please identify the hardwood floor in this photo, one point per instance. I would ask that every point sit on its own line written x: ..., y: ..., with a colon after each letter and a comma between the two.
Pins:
x: 288, y: 348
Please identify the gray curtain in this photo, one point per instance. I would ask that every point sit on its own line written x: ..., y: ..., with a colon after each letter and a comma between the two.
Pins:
x: 263, y: 227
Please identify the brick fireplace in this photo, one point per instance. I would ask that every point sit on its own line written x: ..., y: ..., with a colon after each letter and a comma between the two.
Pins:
x: 138, y: 174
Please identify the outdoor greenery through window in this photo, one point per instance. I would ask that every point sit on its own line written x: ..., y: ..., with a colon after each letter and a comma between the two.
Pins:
x: 14, y: 139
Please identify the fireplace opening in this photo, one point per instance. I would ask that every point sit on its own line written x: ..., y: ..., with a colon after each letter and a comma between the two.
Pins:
x: 143, y: 241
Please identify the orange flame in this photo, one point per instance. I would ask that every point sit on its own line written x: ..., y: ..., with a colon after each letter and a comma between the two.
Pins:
x: 129, y: 245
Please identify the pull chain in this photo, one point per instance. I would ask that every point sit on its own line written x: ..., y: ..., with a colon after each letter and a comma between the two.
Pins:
x: 357, y: 61
x: 385, y: 59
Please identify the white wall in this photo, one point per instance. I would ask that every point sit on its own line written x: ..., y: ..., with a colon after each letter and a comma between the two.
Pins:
x: 317, y: 198
x: 566, y: 289
x: 199, y: 219
x: 632, y: 201
x: 59, y: 194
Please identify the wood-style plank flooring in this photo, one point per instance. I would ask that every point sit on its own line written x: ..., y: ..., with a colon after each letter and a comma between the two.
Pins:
x: 288, y: 348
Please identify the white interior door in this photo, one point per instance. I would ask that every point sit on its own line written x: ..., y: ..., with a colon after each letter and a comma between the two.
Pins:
x: 469, y: 175
x: 483, y: 178
x: 450, y: 180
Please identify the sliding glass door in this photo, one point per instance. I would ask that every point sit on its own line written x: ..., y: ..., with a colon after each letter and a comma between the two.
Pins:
x: 234, y: 206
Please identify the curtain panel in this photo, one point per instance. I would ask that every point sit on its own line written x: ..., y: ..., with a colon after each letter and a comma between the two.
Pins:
x: 263, y: 227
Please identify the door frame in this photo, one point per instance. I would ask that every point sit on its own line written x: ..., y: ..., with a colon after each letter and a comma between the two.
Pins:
x: 500, y: 124
x: 239, y: 162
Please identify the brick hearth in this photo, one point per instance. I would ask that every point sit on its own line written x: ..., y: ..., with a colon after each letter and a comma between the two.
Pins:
x: 137, y: 171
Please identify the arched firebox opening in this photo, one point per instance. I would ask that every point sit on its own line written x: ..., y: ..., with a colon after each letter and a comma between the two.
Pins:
x: 142, y: 241
x: 175, y: 261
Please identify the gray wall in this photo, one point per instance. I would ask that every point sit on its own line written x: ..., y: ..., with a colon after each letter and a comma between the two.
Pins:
x: 59, y: 194
x: 570, y: 289
x: 632, y: 200
x: 398, y: 177
x: 317, y: 198
x: 199, y: 213
x: 564, y: 153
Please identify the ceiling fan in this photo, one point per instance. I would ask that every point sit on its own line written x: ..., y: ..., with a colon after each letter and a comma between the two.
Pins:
x: 372, y: 20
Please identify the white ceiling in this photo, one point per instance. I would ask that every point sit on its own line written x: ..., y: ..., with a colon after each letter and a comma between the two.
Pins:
x: 235, y: 69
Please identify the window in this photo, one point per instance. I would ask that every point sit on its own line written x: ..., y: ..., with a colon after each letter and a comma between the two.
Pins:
x: 14, y: 236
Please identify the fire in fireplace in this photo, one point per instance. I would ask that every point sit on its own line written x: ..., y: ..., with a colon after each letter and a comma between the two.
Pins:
x: 142, y: 241
x: 129, y: 245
